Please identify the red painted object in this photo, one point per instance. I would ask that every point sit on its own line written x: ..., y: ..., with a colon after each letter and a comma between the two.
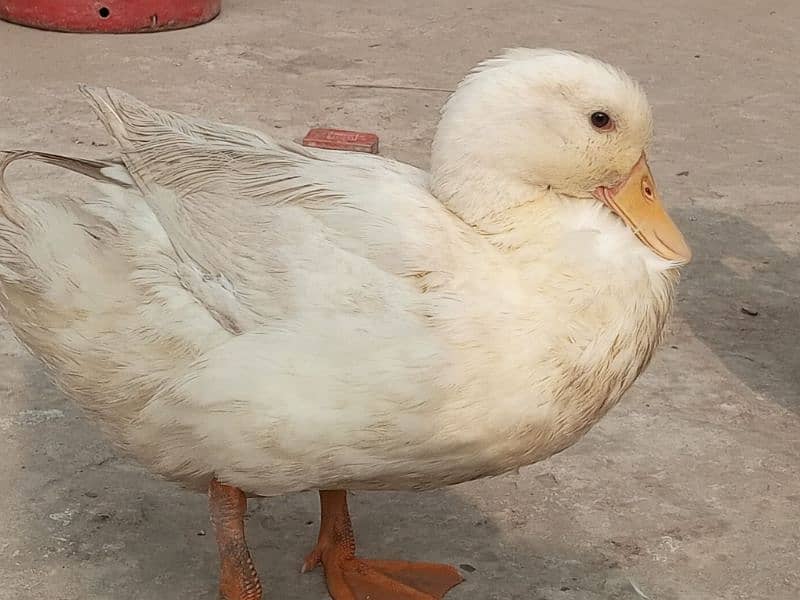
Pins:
x: 341, y: 139
x: 109, y: 16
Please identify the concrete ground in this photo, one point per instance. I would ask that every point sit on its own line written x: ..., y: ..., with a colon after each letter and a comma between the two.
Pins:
x: 690, y: 488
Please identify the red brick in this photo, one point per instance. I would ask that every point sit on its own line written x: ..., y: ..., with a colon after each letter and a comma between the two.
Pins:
x: 340, y: 139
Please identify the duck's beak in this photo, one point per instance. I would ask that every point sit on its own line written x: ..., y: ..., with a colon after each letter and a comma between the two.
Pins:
x: 637, y: 202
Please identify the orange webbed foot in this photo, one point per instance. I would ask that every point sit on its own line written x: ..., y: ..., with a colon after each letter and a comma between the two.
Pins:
x: 352, y: 578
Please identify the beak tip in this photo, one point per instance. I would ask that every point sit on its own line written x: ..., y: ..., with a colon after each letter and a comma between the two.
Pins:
x: 685, y: 252
x: 682, y: 255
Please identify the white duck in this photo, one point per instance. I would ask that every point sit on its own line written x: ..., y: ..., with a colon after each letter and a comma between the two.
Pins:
x: 257, y: 318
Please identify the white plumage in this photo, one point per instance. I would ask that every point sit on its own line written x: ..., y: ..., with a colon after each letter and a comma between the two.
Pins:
x: 286, y: 319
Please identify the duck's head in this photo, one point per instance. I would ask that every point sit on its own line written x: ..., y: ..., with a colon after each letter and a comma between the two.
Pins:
x: 545, y: 123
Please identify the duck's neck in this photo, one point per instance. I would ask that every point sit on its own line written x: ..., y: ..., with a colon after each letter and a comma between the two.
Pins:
x: 525, y: 219
x: 481, y: 198
x: 549, y: 237
x: 581, y: 240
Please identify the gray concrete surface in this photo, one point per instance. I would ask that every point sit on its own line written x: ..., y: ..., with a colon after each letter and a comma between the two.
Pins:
x: 690, y: 488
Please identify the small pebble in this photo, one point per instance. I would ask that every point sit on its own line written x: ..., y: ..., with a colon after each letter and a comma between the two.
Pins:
x: 468, y: 568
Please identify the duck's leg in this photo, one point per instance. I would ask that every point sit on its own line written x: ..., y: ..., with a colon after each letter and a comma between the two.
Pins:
x: 351, y: 578
x: 238, y: 579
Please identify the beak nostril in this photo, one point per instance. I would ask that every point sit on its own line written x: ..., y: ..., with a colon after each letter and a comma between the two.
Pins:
x: 647, y: 189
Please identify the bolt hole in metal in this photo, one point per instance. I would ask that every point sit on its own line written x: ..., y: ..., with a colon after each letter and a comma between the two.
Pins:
x: 104, y: 12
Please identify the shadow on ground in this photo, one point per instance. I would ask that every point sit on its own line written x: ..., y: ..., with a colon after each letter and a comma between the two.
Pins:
x: 738, y: 270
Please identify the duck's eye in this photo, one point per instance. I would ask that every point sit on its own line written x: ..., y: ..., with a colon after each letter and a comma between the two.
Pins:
x: 602, y: 121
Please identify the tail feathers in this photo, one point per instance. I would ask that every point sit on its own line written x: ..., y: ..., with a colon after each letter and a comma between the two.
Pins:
x: 104, y: 171
x: 16, y: 221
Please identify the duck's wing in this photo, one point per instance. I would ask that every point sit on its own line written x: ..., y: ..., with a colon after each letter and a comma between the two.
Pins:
x: 219, y: 189
x: 264, y: 229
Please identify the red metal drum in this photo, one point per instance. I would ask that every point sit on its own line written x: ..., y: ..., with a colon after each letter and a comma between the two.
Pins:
x: 109, y: 16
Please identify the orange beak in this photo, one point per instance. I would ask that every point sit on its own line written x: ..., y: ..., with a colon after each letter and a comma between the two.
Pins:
x: 638, y: 204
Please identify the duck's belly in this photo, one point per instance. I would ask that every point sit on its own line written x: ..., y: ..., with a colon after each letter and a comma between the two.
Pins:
x: 413, y: 449
x: 407, y: 415
x: 478, y: 452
